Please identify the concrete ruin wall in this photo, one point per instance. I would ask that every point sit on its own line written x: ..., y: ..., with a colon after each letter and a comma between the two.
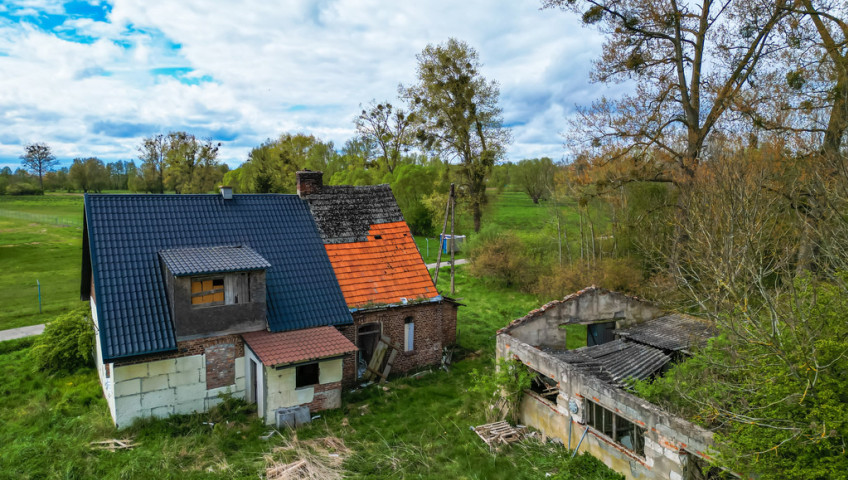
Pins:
x: 668, y: 439
x: 540, y: 327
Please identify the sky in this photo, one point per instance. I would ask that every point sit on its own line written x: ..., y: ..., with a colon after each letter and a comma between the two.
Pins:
x: 93, y: 78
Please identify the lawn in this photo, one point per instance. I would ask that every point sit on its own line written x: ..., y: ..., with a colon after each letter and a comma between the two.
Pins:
x: 40, y: 242
x: 411, y: 428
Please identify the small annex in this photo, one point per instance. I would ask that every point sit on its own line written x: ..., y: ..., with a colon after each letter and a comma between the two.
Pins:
x: 582, y: 393
x: 383, y: 278
x: 197, y: 295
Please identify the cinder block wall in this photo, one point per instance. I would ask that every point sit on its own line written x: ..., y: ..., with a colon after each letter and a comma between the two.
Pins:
x: 185, y: 381
x: 281, y: 391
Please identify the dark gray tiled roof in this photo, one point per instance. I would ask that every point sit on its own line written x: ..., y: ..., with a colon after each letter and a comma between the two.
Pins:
x: 615, y: 361
x: 671, y: 332
x: 199, y: 260
x: 125, y: 233
x: 345, y: 213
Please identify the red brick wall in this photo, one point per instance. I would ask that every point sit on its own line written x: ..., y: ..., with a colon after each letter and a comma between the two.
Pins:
x: 220, y: 365
x: 188, y: 348
x: 317, y: 403
x: 435, y: 327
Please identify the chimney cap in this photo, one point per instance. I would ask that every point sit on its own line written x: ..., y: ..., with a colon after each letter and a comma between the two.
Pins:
x: 226, y: 192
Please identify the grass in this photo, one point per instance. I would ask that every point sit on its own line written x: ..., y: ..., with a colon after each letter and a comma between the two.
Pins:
x: 34, y: 248
x: 412, y: 428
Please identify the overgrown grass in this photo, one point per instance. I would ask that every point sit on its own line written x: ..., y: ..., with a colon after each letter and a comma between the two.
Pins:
x: 412, y: 428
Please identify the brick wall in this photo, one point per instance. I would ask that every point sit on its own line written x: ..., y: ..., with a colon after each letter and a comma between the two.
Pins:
x: 220, y: 365
x: 326, y: 396
x: 435, y: 327
x: 188, y: 348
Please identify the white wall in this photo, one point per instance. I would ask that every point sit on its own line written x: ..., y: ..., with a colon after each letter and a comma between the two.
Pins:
x: 105, y: 382
x: 166, y: 387
x: 280, y: 388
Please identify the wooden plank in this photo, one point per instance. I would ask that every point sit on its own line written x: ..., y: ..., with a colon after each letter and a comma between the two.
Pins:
x: 391, y: 362
x: 376, y: 360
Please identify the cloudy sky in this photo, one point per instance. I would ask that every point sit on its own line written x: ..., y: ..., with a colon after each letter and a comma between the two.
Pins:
x: 92, y: 78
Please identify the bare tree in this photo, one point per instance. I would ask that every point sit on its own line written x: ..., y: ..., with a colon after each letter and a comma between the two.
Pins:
x: 38, y: 159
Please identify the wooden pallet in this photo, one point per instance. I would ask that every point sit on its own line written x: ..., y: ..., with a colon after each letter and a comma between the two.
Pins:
x: 500, y: 433
x: 114, y: 444
x: 373, y: 370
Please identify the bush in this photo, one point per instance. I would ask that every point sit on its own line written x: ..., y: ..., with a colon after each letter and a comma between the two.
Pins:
x: 507, y: 382
x: 66, y: 344
x: 501, y: 257
x: 619, y: 274
x: 23, y: 188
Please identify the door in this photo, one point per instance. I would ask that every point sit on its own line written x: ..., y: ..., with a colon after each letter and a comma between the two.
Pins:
x: 367, y: 336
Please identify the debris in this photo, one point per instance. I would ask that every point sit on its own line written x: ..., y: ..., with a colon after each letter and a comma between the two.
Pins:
x: 500, y: 433
x: 316, y: 459
x: 268, y: 435
x: 421, y: 373
x: 114, y: 444
x: 363, y: 410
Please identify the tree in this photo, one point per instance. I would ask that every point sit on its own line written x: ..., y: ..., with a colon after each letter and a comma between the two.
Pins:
x: 688, y: 69
x: 271, y: 166
x: 89, y: 174
x: 151, y: 172
x: 191, y: 166
x: 38, y: 159
x: 391, y: 129
x: 459, y: 116
x: 534, y: 176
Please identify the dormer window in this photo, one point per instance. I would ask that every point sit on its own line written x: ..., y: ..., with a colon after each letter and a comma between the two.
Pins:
x: 206, y: 292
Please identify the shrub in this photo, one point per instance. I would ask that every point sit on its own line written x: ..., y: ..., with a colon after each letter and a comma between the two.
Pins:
x: 506, y: 382
x: 66, y: 344
x: 23, y: 188
x: 619, y: 274
x: 501, y: 257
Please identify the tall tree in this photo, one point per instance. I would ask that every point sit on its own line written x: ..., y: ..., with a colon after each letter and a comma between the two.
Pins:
x: 390, y: 128
x: 688, y: 69
x: 38, y: 159
x: 151, y: 172
x: 459, y: 114
x: 535, y: 177
x: 191, y: 165
x: 89, y: 174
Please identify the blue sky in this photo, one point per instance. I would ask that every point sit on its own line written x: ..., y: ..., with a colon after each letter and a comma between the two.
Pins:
x: 92, y: 78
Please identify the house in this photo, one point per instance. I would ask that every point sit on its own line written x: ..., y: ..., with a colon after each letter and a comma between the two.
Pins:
x: 385, y: 282
x: 581, y: 396
x: 197, y: 295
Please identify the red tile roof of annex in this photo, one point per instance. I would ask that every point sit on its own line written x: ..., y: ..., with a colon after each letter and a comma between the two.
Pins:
x: 296, y: 346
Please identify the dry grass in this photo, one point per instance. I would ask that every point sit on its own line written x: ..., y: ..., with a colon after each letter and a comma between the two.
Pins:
x: 314, y: 459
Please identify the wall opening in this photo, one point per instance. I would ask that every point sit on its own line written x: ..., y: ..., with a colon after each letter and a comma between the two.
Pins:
x: 619, y: 429
x: 306, y: 375
x: 367, y: 337
x: 600, y: 333
x: 546, y: 387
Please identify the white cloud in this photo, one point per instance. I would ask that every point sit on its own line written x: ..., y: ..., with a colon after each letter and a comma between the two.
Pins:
x: 266, y: 67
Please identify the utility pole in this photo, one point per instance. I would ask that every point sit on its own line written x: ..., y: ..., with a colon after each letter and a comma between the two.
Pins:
x: 442, y: 238
x: 453, y: 237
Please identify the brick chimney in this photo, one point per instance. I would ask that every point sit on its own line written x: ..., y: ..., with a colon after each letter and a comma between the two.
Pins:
x: 309, y: 182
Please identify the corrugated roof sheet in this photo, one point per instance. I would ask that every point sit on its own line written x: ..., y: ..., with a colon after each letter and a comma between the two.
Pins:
x: 193, y: 261
x: 615, y: 361
x: 346, y: 213
x: 298, y: 346
x: 383, y: 269
x: 674, y: 332
x: 126, y: 232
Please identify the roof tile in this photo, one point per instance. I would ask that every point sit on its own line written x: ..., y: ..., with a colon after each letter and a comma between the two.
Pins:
x: 298, y: 345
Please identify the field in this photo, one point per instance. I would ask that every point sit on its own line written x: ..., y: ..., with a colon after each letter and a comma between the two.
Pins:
x: 40, y: 242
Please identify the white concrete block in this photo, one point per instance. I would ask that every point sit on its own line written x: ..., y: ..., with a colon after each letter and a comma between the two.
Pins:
x: 240, y: 385
x: 127, y: 372
x: 330, y: 371
x: 128, y: 405
x: 163, y: 411
x: 214, y: 392
x: 185, y: 377
x: 673, y: 456
x: 128, y: 387
x: 674, y: 476
x: 189, y: 406
x: 161, y: 367
x: 194, y: 362
x: 240, y: 369
x: 158, y: 398
x: 191, y: 391
x: 211, y: 402
x: 151, y: 384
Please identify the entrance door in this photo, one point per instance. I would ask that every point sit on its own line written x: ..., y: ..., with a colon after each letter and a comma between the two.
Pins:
x: 600, y: 333
x: 367, y: 336
x: 252, y: 392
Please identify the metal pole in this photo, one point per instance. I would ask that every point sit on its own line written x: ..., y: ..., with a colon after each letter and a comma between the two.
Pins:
x: 39, y: 295
x: 427, y: 241
x: 442, y: 239
x: 580, y: 442
x: 570, y: 424
x: 453, y: 236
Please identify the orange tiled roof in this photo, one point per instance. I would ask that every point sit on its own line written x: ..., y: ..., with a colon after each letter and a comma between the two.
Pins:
x: 297, y: 345
x: 381, y: 270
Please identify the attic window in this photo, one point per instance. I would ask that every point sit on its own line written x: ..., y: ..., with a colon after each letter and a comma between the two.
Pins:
x: 378, y: 237
x: 207, y: 291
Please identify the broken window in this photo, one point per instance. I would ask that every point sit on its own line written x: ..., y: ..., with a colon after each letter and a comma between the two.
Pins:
x: 619, y: 429
x: 545, y: 386
x: 231, y: 289
x: 306, y: 375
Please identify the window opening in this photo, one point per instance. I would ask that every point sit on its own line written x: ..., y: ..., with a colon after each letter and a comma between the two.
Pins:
x: 207, y: 291
x: 545, y: 386
x: 600, y: 333
x: 622, y: 431
x: 306, y: 375
x: 408, y: 334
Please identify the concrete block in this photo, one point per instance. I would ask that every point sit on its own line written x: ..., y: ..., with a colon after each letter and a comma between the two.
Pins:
x: 191, y: 391
x: 127, y: 372
x: 128, y: 387
x: 151, y: 384
x: 211, y: 402
x: 240, y: 368
x: 330, y: 371
x: 158, y: 398
x: 192, y: 406
x: 162, y: 412
x: 214, y: 392
x: 162, y: 367
x: 128, y: 405
x: 185, y: 377
x: 673, y: 456
x: 240, y: 385
x: 665, y: 431
x: 674, y: 476
x: 194, y: 362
